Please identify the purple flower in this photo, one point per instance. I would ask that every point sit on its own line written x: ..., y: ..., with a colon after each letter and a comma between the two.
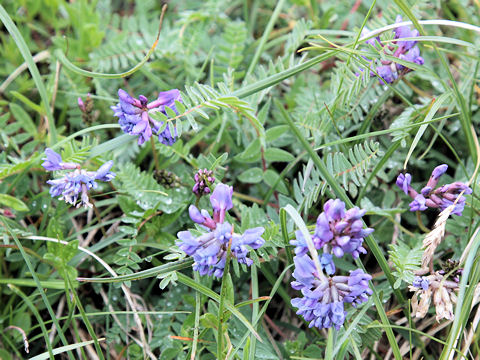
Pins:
x: 304, y: 272
x: 413, y: 56
x: 53, y: 161
x: 403, y: 182
x: 326, y: 261
x: 78, y: 182
x: 386, y: 74
x: 209, y: 251
x: 324, y: 297
x: 358, y: 287
x: 134, y: 115
x: 103, y: 173
x: 221, y: 200
x: 339, y: 231
x: 252, y: 238
x: 418, y: 203
x: 365, y: 32
x: 195, y: 214
x: 439, y: 171
x: 166, y: 137
x: 301, y: 247
x: 435, y: 197
x: 404, y: 32
x: 421, y: 282
x: 81, y: 104
x: 388, y: 71
x: 71, y: 186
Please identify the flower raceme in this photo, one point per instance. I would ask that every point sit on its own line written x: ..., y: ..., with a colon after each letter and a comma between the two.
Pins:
x: 432, y: 196
x: 406, y: 50
x: 74, y: 183
x: 203, y: 179
x: 338, y: 231
x: 324, y: 297
x: 134, y: 115
x: 209, y: 250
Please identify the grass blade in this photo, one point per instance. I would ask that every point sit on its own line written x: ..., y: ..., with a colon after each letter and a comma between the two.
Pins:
x: 32, y: 67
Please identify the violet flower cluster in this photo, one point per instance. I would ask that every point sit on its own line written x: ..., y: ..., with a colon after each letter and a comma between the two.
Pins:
x: 338, y: 231
x: 134, y: 115
x: 209, y: 250
x: 432, y: 196
x: 406, y: 50
x: 74, y: 183
x: 324, y: 296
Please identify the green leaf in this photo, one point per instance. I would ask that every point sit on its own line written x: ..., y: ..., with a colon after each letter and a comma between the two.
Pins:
x: 14, y: 203
x: 251, y: 176
x: 271, y: 177
x: 434, y: 107
x: 24, y: 119
x: 251, y: 154
x: 274, y: 154
x: 209, y: 321
x: 275, y: 132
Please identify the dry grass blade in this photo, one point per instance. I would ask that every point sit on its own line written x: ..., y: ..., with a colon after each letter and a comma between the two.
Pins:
x: 435, y: 237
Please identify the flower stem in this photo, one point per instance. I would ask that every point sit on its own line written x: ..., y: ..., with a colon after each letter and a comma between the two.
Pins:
x: 221, y: 305
x: 155, y: 156
x: 420, y: 223
x: 97, y: 214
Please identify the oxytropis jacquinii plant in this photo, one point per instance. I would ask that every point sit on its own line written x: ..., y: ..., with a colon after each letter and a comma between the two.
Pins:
x: 209, y: 250
x: 439, y: 285
x: 406, y: 50
x: 134, y: 115
x: 76, y: 182
x: 338, y: 232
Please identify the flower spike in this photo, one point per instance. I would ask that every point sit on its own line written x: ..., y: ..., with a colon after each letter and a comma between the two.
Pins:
x: 134, y: 115
x: 209, y: 250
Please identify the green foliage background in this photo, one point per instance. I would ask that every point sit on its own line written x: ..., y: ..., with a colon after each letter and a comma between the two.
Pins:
x: 289, y: 129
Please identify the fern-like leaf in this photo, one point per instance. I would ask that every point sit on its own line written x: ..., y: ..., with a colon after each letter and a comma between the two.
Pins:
x: 351, y: 170
x: 232, y: 44
x: 406, y: 261
x: 147, y: 193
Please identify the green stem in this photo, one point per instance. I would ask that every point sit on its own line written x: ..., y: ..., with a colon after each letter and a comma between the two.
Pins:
x: 286, y: 239
x: 155, y: 155
x: 420, y: 222
x: 221, y: 304
x: 265, y: 36
x: 279, y: 77
x: 86, y: 322
x: 255, y: 309
x: 198, y: 299
x: 157, y: 270
x: 377, y: 168
x: 68, y: 64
